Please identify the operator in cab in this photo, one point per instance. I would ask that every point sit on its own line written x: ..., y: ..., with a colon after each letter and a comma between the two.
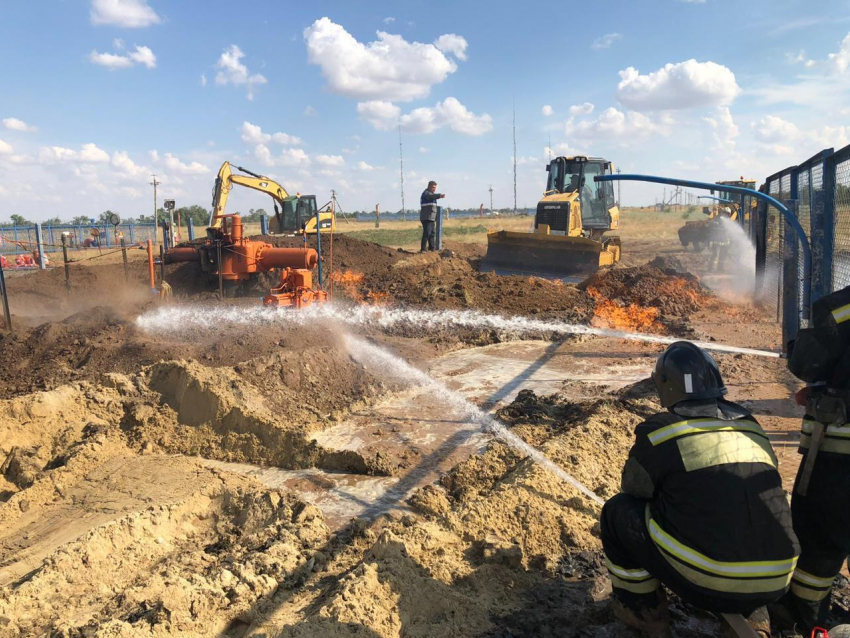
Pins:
x: 820, y: 502
x: 701, y: 509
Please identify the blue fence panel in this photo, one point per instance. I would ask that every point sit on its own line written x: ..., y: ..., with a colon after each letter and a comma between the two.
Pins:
x: 17, y: 240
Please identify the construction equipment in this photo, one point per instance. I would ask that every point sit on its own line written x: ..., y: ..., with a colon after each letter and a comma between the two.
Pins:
x: 568, y: 236
x: 295, y: 290
x: 235, y: 259
x: 700, y: 234
x: 295, y: 214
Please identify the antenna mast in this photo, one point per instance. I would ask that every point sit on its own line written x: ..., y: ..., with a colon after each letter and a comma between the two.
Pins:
x: 514, y: 135
x: 401, y: 169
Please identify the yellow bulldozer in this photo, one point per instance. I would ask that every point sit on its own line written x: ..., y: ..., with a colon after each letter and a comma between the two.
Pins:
x: 702, y: 233
x: 568, y: 235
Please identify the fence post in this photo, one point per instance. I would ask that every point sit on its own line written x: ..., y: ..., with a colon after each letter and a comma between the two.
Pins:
x: 190, y: 228
x: 790, y: 281
x: 65, y: 259
x: 828, y: 196
x: 42, y: 262
x: 132, y: 233
x: 5, y: 293
x: 438, y: 240
x: 124, y: 255
x: 264, y: 225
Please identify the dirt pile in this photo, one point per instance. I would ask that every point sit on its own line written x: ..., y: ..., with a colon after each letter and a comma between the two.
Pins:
x: 646, y: 298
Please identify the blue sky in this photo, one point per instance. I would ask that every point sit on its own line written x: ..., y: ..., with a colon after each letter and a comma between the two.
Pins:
x: 99, y: 94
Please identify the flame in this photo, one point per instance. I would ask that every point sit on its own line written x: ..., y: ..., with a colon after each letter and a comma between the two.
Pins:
x: 352, y: 284
x: 629, y: 317
x: 682, y: 288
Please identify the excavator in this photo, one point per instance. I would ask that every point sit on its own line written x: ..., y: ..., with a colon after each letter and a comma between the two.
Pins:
x: 568, y: 235
x: 296, y: 214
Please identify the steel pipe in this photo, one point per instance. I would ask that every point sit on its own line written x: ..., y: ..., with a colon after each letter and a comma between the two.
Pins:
x: 287, y: 258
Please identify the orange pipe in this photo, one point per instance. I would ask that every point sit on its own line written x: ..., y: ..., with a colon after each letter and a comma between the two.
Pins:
x: 150, y: 264
x: 271, y: 257
x: 236, y: 228
x: 184, y: 253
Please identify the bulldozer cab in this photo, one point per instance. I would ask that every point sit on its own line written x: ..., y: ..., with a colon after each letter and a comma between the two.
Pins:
x: 575, y: 175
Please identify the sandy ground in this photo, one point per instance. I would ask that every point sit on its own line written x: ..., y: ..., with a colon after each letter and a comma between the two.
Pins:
x: 164, y: 479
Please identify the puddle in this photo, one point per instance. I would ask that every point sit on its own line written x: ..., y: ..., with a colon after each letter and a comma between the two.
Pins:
x: 422, y: 438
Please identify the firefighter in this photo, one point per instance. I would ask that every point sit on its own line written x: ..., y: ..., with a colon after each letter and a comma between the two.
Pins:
x: 701, y: 509
x: 820, y: 502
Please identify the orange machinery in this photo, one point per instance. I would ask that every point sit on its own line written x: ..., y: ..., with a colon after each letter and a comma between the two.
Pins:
x: 234, y: 258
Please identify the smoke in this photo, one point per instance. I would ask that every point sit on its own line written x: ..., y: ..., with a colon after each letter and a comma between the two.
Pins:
x: 388, y: 364
x: 186, y: 320
x: 733, y: 264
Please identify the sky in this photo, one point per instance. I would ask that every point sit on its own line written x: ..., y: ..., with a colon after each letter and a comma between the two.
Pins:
x: 98, y: 95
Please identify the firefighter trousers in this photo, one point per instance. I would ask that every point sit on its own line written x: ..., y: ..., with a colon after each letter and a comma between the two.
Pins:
x: 637, y: 567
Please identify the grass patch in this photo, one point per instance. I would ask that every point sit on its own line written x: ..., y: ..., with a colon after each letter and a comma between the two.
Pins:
x: 405, y: 236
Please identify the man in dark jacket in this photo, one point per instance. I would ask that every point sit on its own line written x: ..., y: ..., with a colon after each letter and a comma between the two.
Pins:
x: 820, y: 356
x: 701, y: 508
x: 428, y: 215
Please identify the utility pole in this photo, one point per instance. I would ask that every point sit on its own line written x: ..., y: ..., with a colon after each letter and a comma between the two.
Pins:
x: 491, y: 199
x: 401, y: 169
x: 155, y: 183
x: 619, y: 201
x: 514, y: 134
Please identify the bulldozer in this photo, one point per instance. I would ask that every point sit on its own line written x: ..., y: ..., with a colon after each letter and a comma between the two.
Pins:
x: 568, y: 234
x: 700, y: 234
x: 296, y: 214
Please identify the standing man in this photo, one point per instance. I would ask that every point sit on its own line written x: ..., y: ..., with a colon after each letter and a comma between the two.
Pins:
x: 701, y: 508
x: 820, y: 356
x: 428, y: 215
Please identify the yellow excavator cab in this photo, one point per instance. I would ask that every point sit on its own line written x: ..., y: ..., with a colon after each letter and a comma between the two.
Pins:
x: 568, y: 236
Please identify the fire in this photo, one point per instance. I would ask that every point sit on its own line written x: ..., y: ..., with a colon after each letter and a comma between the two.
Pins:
x: 629, y: 317
x: 352, y: 284
x: 681, y: 288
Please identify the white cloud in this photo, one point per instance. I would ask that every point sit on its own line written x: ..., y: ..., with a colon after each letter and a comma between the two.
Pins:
x: 122, y: 162
x: 389, y: 68
x: 724, y: 129
x: 363, y: 166
x: 173, y: 163
x: 113, y: 61
x: 14, y: 124
x: 585, y: 108
x: 203, y: 79
x: 88, y: 153
x: 253, y: 134
x: 841, y: 60
x: 452, y: 43
x: 233, y: 71
x: 309, y: 111
x: 618, y: 127
x: 605, y: 41
x: 450, y: 112
x: 692, y: 1
x: 334, y: 161
x: 123, y: 13
x: 144, y: 56
x: 288, y: 157
x: 781, y: 137
x: 683, y: 85
x: 423, y: 150
x: 6, y: 148
x: 800, y: 58
x: 389, y: 20
x: 547, y: 110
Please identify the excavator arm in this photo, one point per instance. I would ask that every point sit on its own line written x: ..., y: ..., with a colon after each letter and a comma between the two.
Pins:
x: 224, y: 183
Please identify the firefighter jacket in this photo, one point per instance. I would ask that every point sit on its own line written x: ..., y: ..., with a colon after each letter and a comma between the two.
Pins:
x: 716, y: 509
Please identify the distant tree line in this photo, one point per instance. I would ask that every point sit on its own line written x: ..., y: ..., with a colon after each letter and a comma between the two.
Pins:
x: 199, y: 215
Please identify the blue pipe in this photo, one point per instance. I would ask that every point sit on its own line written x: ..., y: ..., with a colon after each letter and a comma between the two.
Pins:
x: 789, y: 217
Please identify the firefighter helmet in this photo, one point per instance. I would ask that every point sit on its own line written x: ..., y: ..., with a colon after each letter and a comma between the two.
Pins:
x: 686, y: 372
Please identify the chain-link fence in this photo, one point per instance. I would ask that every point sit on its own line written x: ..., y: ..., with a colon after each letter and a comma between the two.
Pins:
x: 817, y: 192
x: 16, y: 240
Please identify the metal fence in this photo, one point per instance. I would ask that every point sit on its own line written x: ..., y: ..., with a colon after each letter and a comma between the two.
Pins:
x: 16, y: 240
x: 817, y: 191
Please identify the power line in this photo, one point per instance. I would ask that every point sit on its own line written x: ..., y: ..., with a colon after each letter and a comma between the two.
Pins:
x: 401, y: 169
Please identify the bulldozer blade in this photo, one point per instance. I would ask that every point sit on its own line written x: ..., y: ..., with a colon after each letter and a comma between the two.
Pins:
x: 538, y: 255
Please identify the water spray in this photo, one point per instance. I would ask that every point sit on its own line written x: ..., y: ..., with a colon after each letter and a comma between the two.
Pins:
x: 375, y: 357
x: 191, y: 319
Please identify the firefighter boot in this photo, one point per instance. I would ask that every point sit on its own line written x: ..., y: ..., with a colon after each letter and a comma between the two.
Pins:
x: 650, y: 622
x: 759, y: 620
